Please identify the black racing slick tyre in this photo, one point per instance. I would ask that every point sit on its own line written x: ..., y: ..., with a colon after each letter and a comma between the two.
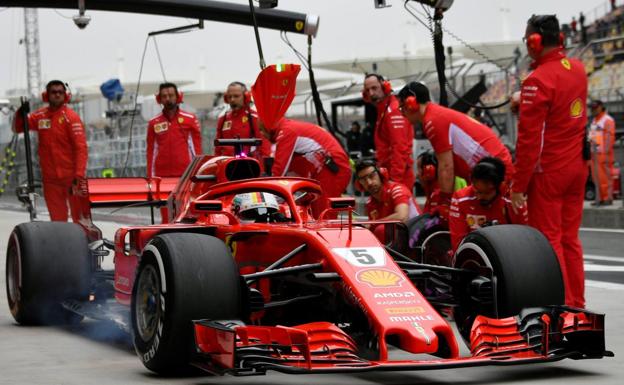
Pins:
x: 46, y: 264
x: 181, y: 277
x: 523, y: 267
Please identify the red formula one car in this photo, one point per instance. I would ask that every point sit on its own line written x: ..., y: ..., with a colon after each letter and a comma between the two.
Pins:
x: 243, y: 280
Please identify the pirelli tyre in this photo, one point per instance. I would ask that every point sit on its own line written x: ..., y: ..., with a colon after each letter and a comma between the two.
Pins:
x: 46, y: 264
x: 523, y: 268
x: 181, y: 277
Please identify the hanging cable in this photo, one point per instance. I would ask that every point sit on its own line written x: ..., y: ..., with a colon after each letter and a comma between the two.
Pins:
x: 160, y: 62
x: 321, y: 114
x: 257, y: 33
x: 300, y: 56
x: 153, y: 34
x: 61, y: 15
x: 134, y: 109
x: 439, y: 52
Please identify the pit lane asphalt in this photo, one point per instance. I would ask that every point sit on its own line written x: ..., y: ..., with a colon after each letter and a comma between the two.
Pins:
x: 99, y: 353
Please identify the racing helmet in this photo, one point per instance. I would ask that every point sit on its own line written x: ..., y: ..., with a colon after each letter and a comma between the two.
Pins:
x: 255, y: 206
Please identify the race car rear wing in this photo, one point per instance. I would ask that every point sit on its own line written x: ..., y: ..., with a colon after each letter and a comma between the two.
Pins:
x: 117, y: 192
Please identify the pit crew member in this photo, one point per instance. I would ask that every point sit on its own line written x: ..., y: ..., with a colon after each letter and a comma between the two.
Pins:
x: 62, y: 150
x: 602, y: 137
x: 393, y: 133
x: 308, y: 151
x: 427, y: 167
x: 173, y: 136
x: 458, y: 141
x: 550, y: 169
x: 240, y: 122
x: 483, y: 202
x: 388, y: 200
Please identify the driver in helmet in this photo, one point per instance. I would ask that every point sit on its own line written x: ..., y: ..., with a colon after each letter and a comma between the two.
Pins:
x: 257, y: 207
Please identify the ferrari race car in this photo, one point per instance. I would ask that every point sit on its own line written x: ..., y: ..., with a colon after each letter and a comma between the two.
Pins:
x: 242, y: 279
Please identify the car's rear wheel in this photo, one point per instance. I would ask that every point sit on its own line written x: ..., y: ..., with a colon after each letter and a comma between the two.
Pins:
x: 523, y: 268
x: 46, y: 264
x: 181, y: 277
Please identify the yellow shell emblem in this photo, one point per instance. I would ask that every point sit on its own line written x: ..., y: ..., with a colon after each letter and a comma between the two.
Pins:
x: 566, y: 63
x: 379, y: 278
x: 299, y: 25
x: 576, y: 108
x: 180, y: 120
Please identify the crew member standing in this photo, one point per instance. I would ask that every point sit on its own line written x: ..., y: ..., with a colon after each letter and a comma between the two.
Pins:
x: 240, y: 122
x: 458, y: 141
x: 173, y: 136
x: 550, y: 169
x: 602, y: 137
x: 62, y: 149
x: 354, y: 138
x: 393, y: 133
x: 309, y: 151
x: 483, y: 202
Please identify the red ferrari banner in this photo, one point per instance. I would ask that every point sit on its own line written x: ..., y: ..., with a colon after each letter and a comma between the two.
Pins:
x: 273, y: 92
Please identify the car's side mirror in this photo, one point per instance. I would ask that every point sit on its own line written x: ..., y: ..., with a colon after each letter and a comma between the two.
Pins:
x: 207, y: 206
x: 342, y: 203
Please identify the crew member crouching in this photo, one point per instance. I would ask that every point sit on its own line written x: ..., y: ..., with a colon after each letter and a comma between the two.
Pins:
x: 483, y: 202
x: 388, y: 200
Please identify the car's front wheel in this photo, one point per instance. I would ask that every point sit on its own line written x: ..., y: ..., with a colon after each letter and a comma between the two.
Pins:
x: 181, y: 277
x: 523, y: 269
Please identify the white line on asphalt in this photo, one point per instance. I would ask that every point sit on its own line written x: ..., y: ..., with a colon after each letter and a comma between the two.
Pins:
x: 603, y: 258
x: 604, y: 285
x: 592, y: 267
x: 601, y: 230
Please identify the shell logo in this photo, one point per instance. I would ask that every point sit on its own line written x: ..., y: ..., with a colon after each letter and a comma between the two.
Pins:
x: 576, y: 108
x: 379, y: 278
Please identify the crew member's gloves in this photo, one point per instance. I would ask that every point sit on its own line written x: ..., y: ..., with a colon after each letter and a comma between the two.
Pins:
x: 79, y: 186
x: 442, y: 205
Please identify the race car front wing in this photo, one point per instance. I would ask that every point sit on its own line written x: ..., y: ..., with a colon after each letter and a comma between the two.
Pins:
x: 537, y: 335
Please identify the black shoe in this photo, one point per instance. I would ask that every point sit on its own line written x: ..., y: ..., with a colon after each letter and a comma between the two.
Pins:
x: 606, y: 203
